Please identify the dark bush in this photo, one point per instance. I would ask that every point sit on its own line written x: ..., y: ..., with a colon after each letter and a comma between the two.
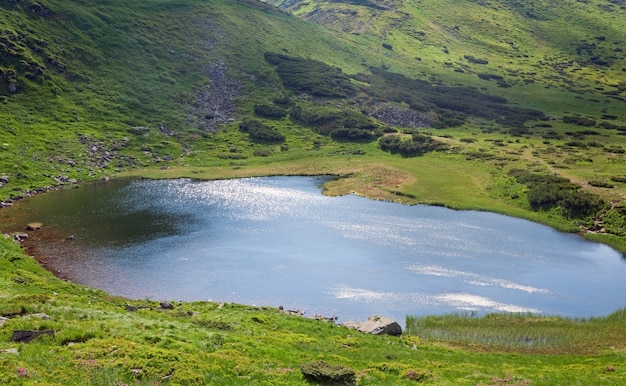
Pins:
x: 576, y: 144
x: 581, y: 204
x: 608, y: 125
x: 324, y: 372
x: 351, y: 134
x: 486, y: 76
x: 580, y: 121
x: 549, y: 191
x: 418, y: 144
x: 601, y: 184
x: 479, y: 155
x: 260, y: 132
x: 551, y: 134
x: 327, y: 119
x: 619, y: 179
x: 270, y: 111
x: 474, y: 60
x: 283, y: 100
x: 261, y: 153
x: 311, y: 76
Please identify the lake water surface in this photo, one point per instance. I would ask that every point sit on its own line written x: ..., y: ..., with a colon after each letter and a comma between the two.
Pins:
x: 278, y: 241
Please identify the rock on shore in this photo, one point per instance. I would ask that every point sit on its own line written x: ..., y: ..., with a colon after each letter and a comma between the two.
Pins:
x: 377, y: 325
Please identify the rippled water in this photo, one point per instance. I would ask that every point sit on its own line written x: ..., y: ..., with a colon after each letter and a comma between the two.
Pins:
x: 279, y: 241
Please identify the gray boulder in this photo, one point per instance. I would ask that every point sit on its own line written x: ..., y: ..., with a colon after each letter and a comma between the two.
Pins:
x: 25, y: 336
x: 19, y: 237
x: 376, y: 325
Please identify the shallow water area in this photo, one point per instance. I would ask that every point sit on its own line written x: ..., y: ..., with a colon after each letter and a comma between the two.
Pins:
x: 278, y: 241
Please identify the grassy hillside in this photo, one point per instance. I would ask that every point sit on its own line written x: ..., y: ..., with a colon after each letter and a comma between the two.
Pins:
x: 91, y: 90
x: 78, y: 75
x: 573, y: 46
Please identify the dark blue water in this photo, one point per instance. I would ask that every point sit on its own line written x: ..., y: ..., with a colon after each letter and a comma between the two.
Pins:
x: 278, y: 241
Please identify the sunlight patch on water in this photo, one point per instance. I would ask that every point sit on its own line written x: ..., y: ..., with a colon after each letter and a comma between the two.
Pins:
x: 376, y: 233
x: 245, y: 198
x: 459, y: 301
x: 474, y: 279
x: 364, y: 295
x: 471, y: 302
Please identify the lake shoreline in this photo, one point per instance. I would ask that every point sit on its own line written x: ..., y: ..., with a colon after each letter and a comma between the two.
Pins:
x: 59, y: 245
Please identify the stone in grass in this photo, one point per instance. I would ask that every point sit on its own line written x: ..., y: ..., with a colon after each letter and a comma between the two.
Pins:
x: 25, y: 336
x: 34, y: 226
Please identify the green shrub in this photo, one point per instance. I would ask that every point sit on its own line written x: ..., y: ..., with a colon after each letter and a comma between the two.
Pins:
x: 283, y: 100
x: 614, y: 149
x: 328, y: 119
x: 260, y: 132
x: 580, y: 121
x: 614, y: 221
x: 324, y: 372
x: 311, y: 76
x: 601, y: 184
x: 549, y: 191
x: 314, y: 115
x: 486, y: 76
x: 351, y: 134
x: 474, y: 60
x: 418, y: 144
x: 270, y: 111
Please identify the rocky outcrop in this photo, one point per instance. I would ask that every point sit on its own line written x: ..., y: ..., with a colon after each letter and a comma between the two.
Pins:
x: 215, y: 103
x: 399, y: 116
x: 376, y: 325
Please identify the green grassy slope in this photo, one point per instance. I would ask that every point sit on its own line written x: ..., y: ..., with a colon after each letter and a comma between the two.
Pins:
x: 102, y: 340
x: 98, y: 70
x: 572, y: 46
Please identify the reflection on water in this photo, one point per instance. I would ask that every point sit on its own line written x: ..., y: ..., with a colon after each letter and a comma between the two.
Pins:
x: 279, y: 241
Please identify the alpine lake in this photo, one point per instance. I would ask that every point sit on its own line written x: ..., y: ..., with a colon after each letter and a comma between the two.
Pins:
x: 278, y: 241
